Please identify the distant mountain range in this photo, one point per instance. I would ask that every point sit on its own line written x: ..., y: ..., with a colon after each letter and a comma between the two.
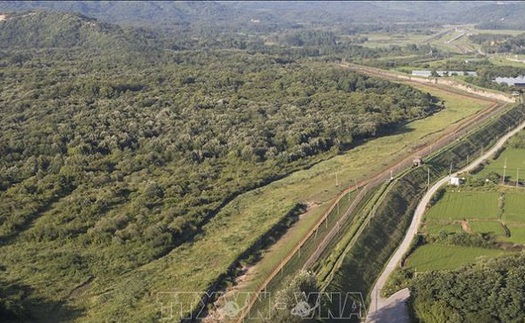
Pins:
x: 494, y: 14
x: 48, y: 29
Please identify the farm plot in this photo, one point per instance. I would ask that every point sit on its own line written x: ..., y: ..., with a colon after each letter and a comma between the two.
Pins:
x: 514, y: 207
x: 435, y: 227
x: 443, y: 257
x: 459, y: 205
x: 517, y: 233
x: 493, y: 227
x: 513, y: 158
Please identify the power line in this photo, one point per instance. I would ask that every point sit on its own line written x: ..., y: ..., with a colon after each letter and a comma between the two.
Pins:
x: 504, y: 171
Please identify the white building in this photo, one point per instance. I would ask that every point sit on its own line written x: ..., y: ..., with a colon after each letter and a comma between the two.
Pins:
x: 426, y: 73
x: 454, y: 180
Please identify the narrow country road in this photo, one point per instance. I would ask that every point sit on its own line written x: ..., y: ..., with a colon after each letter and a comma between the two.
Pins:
x: 383, y: 310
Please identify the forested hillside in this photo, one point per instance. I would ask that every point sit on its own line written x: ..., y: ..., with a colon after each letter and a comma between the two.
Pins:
x: 44, y: 29
x: 112, y: 160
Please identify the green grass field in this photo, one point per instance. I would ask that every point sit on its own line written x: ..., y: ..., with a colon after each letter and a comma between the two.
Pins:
x: 515, y: 159
x: 443, y: 257
x: 517, y: 233
x: 483, y: 211
x: 493, y: 227
x: 435, y: 227
x: 459, y: 205
x: 514, y: 207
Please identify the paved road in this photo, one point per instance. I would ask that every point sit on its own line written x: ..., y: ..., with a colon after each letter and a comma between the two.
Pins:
x: 383, y: 310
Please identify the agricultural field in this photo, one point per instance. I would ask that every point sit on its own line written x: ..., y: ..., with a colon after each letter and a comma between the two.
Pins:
x: 452, y: 39
x: 444, y: 257
x: 458, y: 204
x: 479, y: 212
x: 514, y: 158
x: 492, y: 227
x: 435, y: 227
x: 514, y: 208
x: 402, y: 39
x: 494, y: 209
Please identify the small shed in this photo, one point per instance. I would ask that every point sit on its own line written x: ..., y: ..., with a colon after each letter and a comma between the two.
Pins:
x: 418, y: 161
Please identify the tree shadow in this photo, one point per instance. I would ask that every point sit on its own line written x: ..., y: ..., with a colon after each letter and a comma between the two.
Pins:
x: 18, y: 304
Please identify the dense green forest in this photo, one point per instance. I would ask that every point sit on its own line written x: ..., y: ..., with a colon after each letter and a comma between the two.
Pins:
x: 116, y: 148
x: 488, y: 291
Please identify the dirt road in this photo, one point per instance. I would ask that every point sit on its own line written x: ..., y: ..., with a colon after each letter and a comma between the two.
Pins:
x: 381, y: 309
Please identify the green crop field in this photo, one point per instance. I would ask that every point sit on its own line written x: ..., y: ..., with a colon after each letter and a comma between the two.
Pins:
x: 493, y: 227
x: 515, y: 158
x: 442, y: 257
x: 382, y: 40
x: 514, y: 207
x: 435, y: 227
x: 458, y: 205
x: 517, y: 233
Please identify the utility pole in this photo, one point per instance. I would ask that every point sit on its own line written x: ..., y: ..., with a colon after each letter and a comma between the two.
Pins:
x: 450, y: 170
x: 391, y: 174
x: 517, y: 176
x: 336, y: 180
x: 428, y: 178
x: 504, y: 171
x: 468, y: 156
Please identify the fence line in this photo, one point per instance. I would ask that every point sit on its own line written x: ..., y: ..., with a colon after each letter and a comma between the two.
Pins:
x: 463, y: 127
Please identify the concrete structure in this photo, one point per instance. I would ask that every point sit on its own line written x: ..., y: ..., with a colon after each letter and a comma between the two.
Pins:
x: 511, y: 81
x: 417, y: 161
x: 426, y: 73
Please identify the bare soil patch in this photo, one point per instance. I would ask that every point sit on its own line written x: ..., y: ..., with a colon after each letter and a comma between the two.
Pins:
x: 465, y: 227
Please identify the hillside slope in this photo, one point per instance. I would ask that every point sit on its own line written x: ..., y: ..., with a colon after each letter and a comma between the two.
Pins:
x: 46, y: 29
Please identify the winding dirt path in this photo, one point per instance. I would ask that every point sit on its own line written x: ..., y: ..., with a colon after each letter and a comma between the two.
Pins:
x: 381, y: 308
